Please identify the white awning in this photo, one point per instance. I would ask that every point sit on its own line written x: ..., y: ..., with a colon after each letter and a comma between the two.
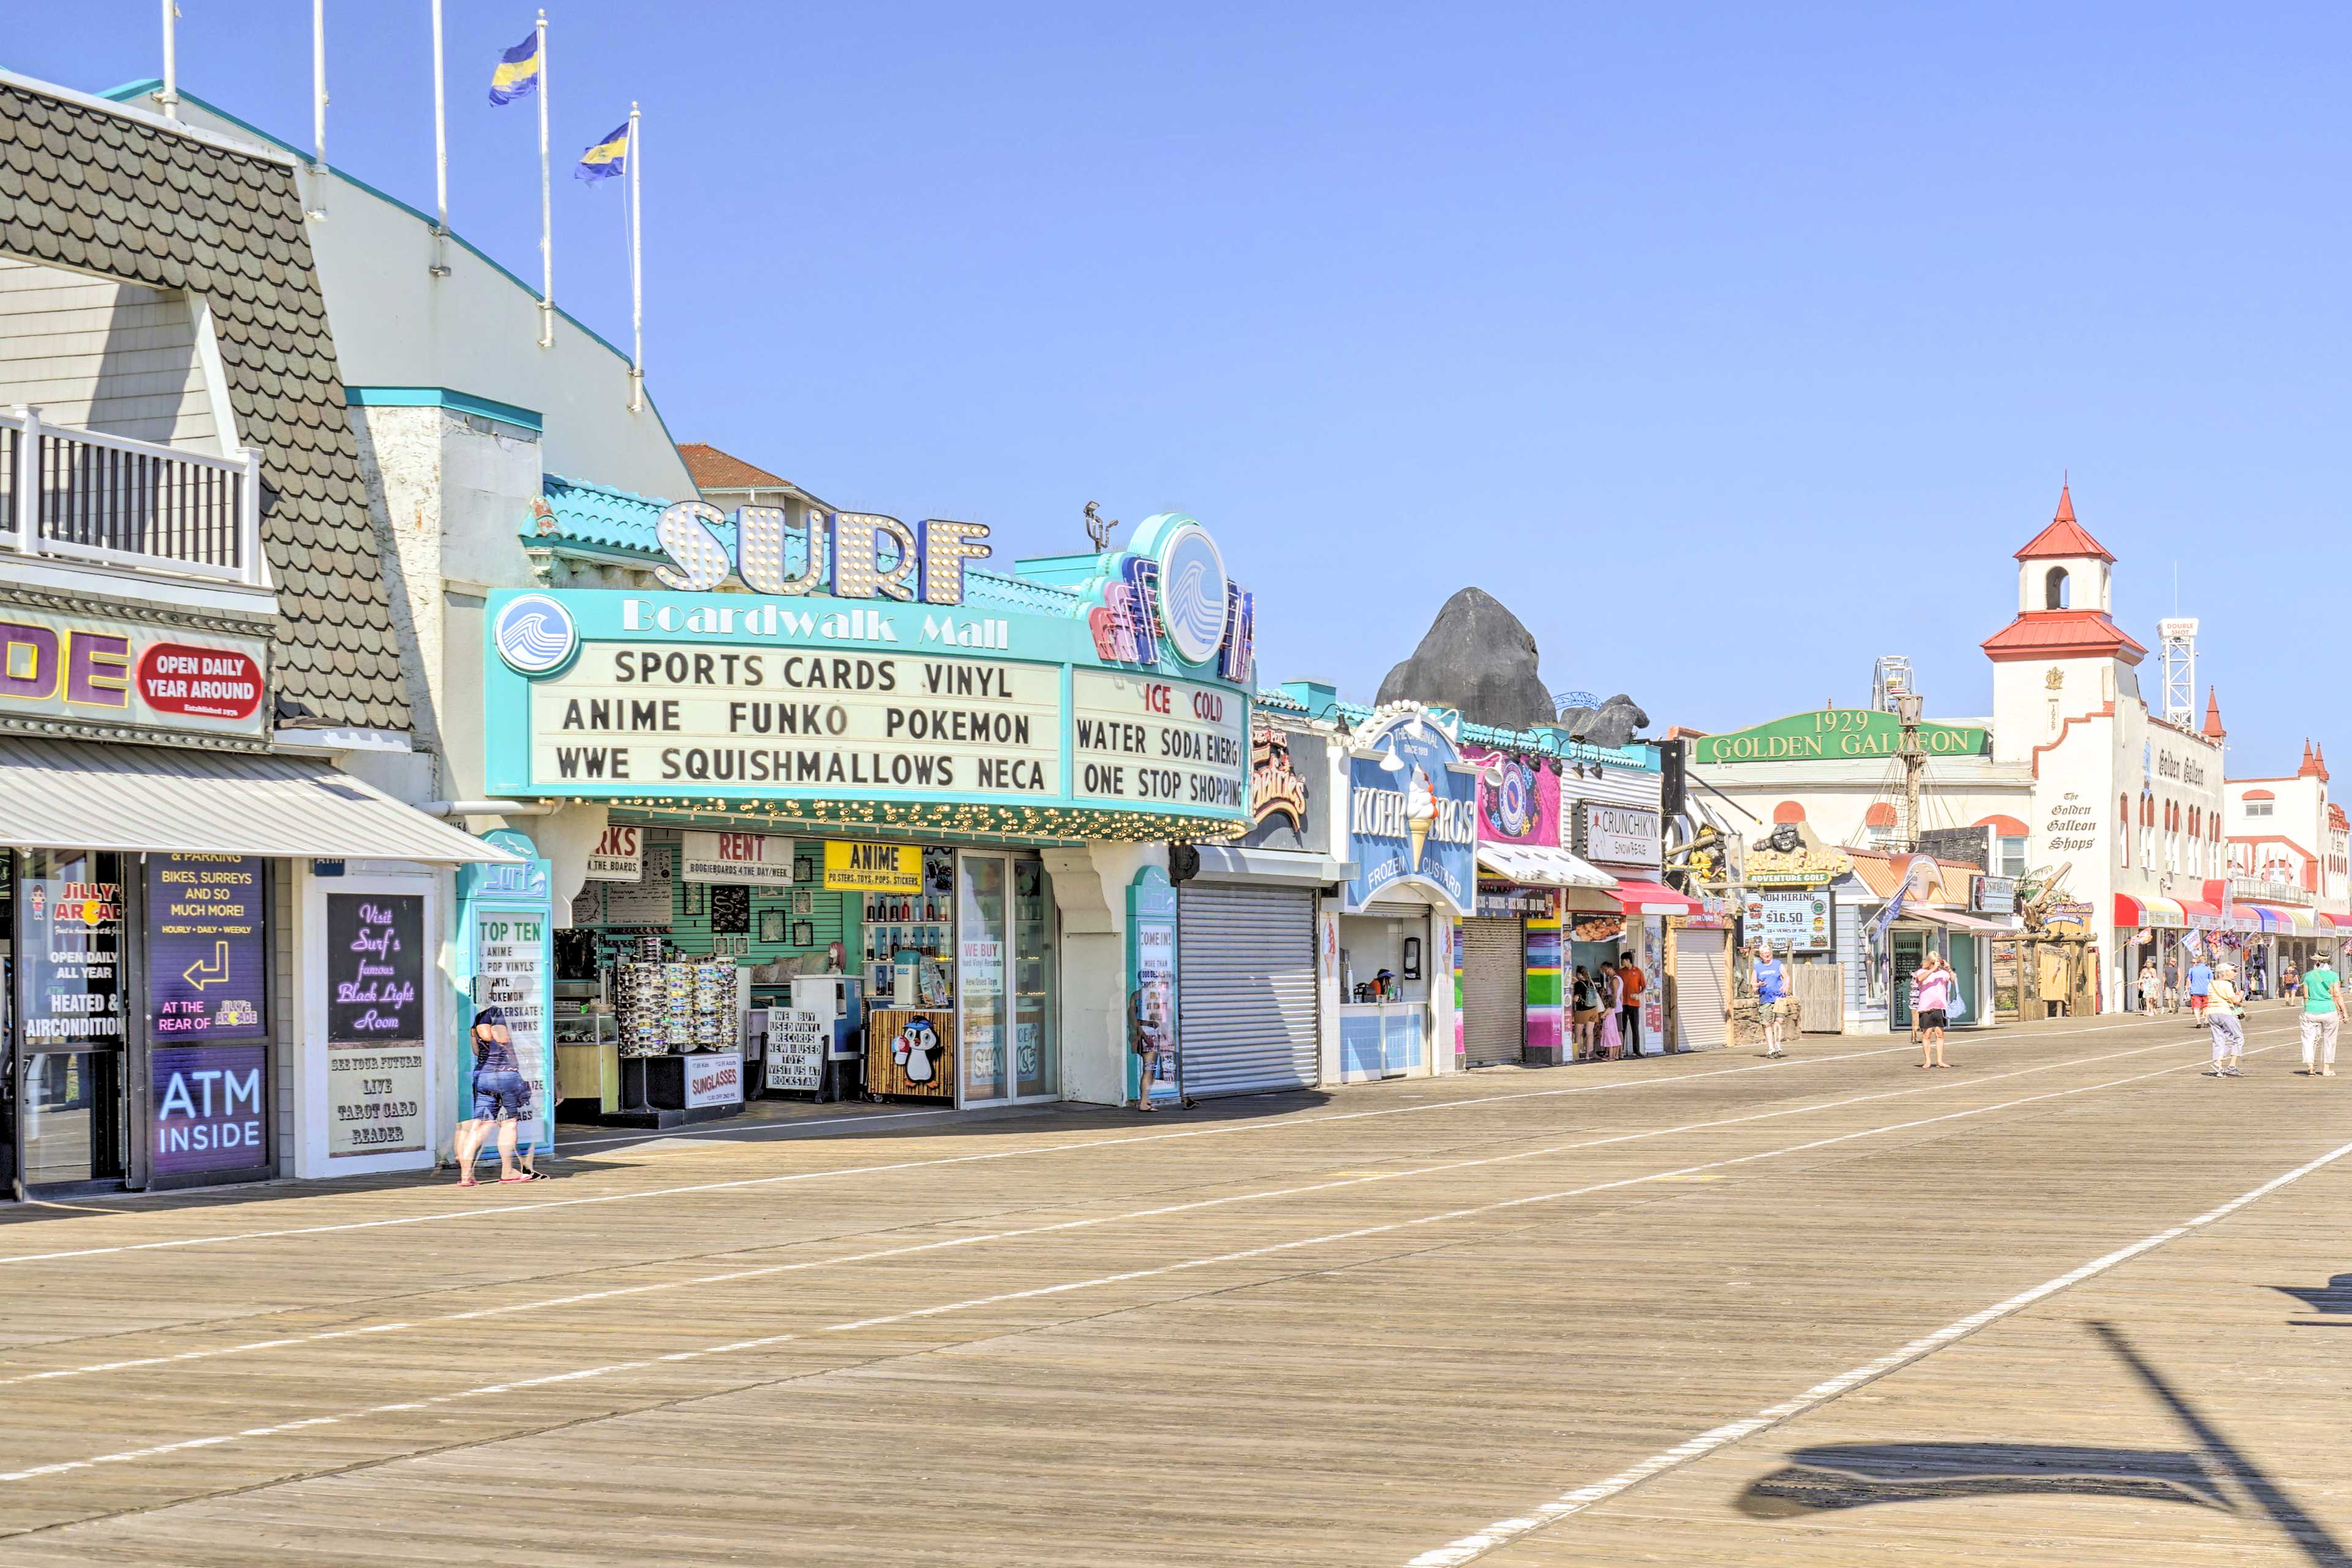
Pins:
x: 1953, y: 920
x: 1290, y: 867
x: 87, y: 796
x: 1542, y: 866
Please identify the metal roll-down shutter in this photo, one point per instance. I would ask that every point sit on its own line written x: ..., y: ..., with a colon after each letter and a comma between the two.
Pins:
x: 1494, y: 992
x: 1246, y: 998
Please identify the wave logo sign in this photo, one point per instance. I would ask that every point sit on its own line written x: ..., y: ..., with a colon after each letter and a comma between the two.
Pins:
x: 1192, y: 585
x: 534, y: 633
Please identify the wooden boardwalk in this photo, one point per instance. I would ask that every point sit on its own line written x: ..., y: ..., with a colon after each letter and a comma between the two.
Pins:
x: 1384, y: 1325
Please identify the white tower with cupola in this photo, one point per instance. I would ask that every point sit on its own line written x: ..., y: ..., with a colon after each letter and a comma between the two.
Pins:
x: 2063, y: 658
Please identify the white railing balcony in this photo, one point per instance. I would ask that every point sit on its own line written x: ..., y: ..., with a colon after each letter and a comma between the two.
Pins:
x: 77, y: 496
x: 2262, y: 887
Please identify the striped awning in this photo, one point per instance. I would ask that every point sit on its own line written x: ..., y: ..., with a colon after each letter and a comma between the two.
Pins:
x: 70, y: 794
x: 2285, y: 919
x: 2165, y: 913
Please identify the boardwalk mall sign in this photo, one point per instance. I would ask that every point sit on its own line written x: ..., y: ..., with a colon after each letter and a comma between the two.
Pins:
x: 1833, y: 734
x: 973, y: 701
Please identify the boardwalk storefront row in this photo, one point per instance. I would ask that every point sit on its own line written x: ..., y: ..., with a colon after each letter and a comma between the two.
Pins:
x: 881, y: 788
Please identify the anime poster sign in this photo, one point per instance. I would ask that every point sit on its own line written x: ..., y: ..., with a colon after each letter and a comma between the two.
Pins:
x: 1518, y: 801
x: 1151, y: 987
x: 1412, y: 814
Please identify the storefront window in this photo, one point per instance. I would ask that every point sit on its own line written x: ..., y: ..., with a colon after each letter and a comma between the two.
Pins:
x: 69, y: 1025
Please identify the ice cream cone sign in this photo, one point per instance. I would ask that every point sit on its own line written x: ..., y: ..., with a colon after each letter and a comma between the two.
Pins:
x: 1420, y: 811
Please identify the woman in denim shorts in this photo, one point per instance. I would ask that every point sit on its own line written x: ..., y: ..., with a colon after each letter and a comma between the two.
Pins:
x: 501, y: 1099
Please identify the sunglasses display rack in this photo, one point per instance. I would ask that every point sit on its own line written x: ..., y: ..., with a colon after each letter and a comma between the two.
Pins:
x: 666, y: 1008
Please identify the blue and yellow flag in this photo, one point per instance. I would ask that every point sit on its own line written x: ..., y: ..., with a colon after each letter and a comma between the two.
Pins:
x: 518, y: 72
x: 608, y: 157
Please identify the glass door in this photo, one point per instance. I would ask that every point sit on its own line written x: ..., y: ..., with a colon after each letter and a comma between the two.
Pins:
x: 984, y: 1027
x: 1036, y: 1054
x: 67, y: 1029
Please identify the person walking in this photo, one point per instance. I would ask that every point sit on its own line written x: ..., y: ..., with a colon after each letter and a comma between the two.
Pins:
x: 1931, y: 1000
x: 1612, y: 1043
x: 1630, y: 982
x: 1144, y: 1037
x: 2290, y: 981
x: 2151, y: 985
x: 2222, y: 1003
x: 2323, y: 1015
x: 1585, y: 1014
x: 501, y: 1101
x: 1769, y: 977
x: 2200, y: 985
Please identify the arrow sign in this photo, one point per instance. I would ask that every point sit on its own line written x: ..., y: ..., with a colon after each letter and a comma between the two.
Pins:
x: 201, y: 975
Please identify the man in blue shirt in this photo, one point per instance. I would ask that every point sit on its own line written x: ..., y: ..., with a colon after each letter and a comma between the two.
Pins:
x: 2200, y: 986
x: 1771, y: 978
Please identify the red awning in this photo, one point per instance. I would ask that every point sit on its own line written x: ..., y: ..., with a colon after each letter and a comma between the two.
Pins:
x: 1639, y: 898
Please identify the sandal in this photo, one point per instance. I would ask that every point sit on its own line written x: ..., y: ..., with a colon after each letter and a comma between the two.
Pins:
x: 504, y: 1180
x: 467, y: 1182
x: 537, y: 1176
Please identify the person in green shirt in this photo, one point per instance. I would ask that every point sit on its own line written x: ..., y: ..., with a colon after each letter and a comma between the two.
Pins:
x: 2322, y: 1014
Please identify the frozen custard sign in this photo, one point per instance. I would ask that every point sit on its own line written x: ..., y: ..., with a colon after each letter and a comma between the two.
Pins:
x: 1412, y: 814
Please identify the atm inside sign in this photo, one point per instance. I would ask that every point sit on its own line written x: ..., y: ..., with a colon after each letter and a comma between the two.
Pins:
x: 853, y: 867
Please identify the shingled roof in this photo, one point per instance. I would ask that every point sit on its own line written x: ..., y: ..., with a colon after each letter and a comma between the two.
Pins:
x: 117, y: 193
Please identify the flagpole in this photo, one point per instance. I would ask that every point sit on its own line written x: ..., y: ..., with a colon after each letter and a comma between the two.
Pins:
x: 171, y: 96
x: 546, y: 207
x: 319, y: 107
x: 440, y: 268
x: 636, y: 273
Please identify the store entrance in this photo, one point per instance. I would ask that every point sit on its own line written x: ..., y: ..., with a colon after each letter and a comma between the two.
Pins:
x: 65, y: 1018
x: 1004, y: 979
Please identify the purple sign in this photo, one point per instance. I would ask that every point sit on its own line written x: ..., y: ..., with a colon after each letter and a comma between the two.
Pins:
x: 207, y: 953
x: 375, y: 968
x: 211, y: 1109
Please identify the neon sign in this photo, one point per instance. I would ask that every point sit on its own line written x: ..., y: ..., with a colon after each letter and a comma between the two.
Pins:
x: 1171, y: 590
x: 845, y: 554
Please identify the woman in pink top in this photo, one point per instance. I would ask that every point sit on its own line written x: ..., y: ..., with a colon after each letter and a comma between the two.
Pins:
x: 1931, y: 997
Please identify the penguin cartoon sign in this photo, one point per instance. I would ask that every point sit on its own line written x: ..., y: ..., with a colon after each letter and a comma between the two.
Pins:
x: 915, y: 1049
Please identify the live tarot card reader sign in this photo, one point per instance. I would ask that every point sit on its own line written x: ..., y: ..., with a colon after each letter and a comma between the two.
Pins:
x: 375, y: 1023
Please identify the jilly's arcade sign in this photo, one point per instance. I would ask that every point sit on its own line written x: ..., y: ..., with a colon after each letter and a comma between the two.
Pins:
x: 1047, y: 707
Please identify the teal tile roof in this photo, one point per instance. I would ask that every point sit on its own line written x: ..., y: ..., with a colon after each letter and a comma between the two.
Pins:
x: 1642, y: 755
x: 600, y: 518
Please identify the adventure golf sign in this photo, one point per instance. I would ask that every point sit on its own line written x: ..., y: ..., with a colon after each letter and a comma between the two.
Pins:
x: 909, y: 693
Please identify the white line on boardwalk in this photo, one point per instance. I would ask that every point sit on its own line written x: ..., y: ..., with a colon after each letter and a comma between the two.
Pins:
x: 1471, y: 1547
x: 1270, y: 1124
x: 766, y: 1270
x: 1096, y: 1282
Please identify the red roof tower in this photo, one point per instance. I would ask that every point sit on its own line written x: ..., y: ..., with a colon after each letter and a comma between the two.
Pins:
x: 2062, y: 598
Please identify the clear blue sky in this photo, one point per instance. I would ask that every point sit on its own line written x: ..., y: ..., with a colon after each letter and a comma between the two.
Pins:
x: 1730, y: 346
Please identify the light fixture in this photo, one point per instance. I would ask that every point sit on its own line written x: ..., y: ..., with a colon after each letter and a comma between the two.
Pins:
x: 1391, y: 763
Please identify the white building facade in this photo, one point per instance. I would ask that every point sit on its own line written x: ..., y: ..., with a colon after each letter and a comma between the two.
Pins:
x: 2073, y: 777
